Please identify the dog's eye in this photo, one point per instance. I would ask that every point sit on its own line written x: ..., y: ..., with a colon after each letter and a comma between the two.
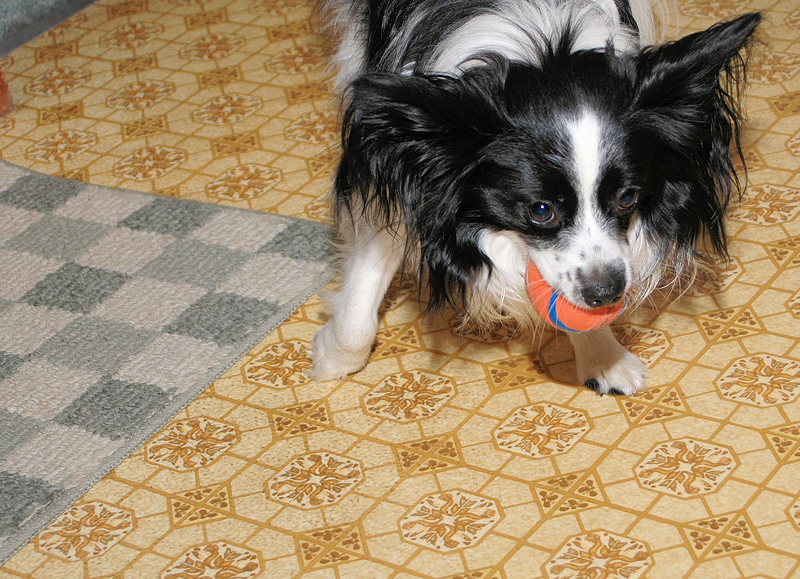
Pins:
x: 543, y: 214
x: 626, y: 200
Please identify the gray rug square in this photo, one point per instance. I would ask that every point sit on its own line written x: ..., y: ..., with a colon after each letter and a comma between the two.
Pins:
x: 297, y: 241
x: 170, y: 216
x: 245, y: 231
x: 260, y: 279
x: 223, y: 318
x: 9, y: 364
x: 95, y: 344
x: 40, y: 389
x: 58, y: 237
x: 172, y: 362
x: 75, y: 288
x: 38, y: 192
x: 15, y: 221
x: 16, y: 430
x: 141, y: 303
x: 92, y: 203
x: 23, y: 499
x: 194, y: 262
x: 58, y: 454
x: 133, y: 302
x: 111, y: 407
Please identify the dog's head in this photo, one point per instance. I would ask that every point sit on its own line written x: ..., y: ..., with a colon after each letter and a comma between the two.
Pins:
x: 603, y: 164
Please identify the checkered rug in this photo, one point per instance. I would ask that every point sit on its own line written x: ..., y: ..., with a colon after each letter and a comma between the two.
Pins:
x: 116, y: 310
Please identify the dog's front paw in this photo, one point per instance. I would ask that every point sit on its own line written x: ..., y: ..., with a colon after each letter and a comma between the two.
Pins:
x: 331, y: 361
x: 622, y: 378
x: 606, y: 367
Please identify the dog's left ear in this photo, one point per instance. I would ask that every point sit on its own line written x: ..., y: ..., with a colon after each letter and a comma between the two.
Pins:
x: 686, y: 105
x: 684, y: 72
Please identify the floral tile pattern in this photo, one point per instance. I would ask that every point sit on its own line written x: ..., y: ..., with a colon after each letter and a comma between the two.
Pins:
x: 685, y: 467
x: 218, y: 559
x: 315, y: 479
x: 542, y: 429
x: 456, y: 453
x: 86, y: 530
x: 762, y: 380
x: 449, y: 520
x: 409, y: 395
x: 189, y: 444
x: 600, y: 555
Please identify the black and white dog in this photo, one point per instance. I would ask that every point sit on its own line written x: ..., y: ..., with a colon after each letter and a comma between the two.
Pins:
x: 480, y: 134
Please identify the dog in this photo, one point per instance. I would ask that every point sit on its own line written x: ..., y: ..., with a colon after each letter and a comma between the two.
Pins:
x: 479, y: 135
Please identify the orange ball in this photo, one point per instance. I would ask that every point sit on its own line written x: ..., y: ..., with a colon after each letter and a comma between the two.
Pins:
x: 562, y: 314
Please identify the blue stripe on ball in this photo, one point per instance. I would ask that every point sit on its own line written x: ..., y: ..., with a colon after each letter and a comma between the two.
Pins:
x: 551, y: 313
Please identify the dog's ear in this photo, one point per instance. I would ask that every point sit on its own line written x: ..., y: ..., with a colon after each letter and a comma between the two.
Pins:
x: 406, y: 137
x: 409, y: 146
x: 686, y: 99
x: 685, y: 72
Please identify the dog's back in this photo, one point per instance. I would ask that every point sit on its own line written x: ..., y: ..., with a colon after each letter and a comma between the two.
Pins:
x: 445, y: 36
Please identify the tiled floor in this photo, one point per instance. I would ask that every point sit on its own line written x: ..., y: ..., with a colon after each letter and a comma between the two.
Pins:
x: 451, y: 455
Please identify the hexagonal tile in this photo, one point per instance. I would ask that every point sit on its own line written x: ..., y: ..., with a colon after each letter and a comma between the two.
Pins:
x: 449, y: 520
x: 140, y: 94
x: 218, y: 559
x: 190, y: 444
x: 767, y: 205
x: 133, y: 35
x: 58, y: 81
x: 315, y: 480
x: 761, y: 380
x: 213, y: 46
x: 226, y: 109
x: 149, y: 163
x: 541, y: 430
x: 297, y: 59
x: 716, y: 9
x: 772, y: 67
x: 61, y: 146
x: 408, y: 396
x: 86, y: 531
x: 599, y: 554
x: 244, y: 182
x: 281, y: 365
x: 685, y: 467
x: 794, y: 305
x: 314, y: 127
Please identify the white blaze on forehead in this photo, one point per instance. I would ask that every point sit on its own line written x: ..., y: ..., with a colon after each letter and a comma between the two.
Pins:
x: 586, y: 135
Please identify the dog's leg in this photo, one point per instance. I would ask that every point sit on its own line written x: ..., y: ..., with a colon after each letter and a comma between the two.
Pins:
x: 343, y: 344
x: 605, y: 366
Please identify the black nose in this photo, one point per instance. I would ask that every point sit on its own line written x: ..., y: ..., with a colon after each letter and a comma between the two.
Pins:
x: 603, y: 288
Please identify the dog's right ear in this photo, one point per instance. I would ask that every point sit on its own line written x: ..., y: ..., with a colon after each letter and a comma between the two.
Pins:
x: 407, y: 140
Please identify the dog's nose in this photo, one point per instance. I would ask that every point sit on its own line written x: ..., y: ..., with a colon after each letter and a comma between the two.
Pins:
x: 603, y: 289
